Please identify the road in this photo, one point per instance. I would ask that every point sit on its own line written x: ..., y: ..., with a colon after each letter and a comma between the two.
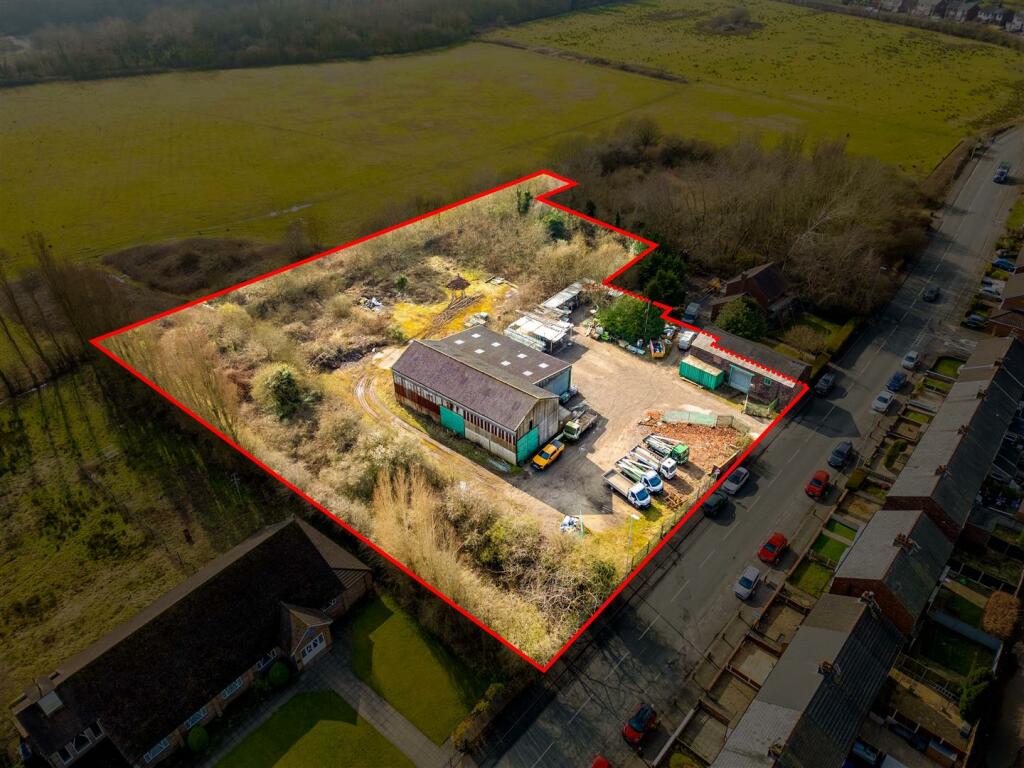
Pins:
x: 645, y: 652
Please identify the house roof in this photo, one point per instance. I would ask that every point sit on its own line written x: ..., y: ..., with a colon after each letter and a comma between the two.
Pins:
x: 1014, y: 287
x: 953, y: 457
x: 910, y: 573
x: 491, y: 374
x: 766, y: 361
x: 1008, y: 318
x: 148, y: 675
x: 767, y: 277
x: 810, y: 714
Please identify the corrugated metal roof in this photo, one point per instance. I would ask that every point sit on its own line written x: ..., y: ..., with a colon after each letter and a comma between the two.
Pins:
x: 767, y: 362
x: 483, y: 371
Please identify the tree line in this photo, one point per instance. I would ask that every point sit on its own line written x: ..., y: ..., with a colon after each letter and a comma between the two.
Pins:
x: 839, y: 226
x: 83, y: 39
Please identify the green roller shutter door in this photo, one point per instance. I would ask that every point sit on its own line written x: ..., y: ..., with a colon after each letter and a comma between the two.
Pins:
x: 528, y: 445
x: 454, y: 422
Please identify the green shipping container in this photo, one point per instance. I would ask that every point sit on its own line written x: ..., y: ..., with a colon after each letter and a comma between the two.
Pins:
x: 696, y: 370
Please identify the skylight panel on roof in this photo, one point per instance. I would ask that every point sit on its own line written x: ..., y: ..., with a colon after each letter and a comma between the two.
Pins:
x: 475, y: 335
x: 478, y: 351
x: 544, y: 365
x: 521, y: 355
x: 460, y: 341
x: 527, y: 373
x: 505, y: 362
x: 495, y: 343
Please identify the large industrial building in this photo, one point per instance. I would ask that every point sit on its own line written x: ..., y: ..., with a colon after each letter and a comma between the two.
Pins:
x: 487, y: 388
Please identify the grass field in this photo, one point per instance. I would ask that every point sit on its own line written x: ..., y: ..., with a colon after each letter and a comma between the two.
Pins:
x: 811, y: 577
x: 91, y: 518
x: 315, y: 729
x: 905, y: 96
x: 420, y: 679
x: 103, y: 165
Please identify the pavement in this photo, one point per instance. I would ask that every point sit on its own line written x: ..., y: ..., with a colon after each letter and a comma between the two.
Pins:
x: 656, y: 634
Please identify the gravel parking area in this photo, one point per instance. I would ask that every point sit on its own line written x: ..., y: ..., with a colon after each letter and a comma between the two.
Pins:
x: 624, y: 388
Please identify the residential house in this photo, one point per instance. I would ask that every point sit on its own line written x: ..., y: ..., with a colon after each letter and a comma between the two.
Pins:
x: 485, y: 387
x: 761, y: 373
x: 1015, y: 25
x: 954, y: 456
x: 995, y: 15
x: 1008, y: 320
x: 927, y: 8
x: 961, y: 11
x: 810, y: 708
x: 179, y: 662
x: 896, y: 6
x: 765, y: 284
x: 898, y: 557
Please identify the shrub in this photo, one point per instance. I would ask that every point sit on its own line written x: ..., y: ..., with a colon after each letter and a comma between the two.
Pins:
x: 743, y: 317
x: 279, y: 674
x: 279, y: 389
x: 1001, y: 615
x: 893, y: 452
x: 198, y: 740
x: 806, y: 338
x: 838, y: 338
x: 856, y: 479
x: 974, y: 694
x: 340, y: 306
x: 631, y: 319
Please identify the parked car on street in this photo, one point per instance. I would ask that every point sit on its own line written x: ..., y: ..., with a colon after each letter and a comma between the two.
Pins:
x: 977, y: 322
x: 992, y: 291
x: 548, y: 454
x: 1002, y: 172
x: 1007, y: 265
x: 896, y: 381
x: 691, y: 312
x: 746, y: 584
x: 825, y: 384
x: 714, y: 504
x: 911, y: 359
x: 735, y: 480
x: 882, y: 402
x: 639, y: 725
x: 818, y: 484
x: 930, y: 294
x: 686, y: 339
x: 840, y: 454
x: 772, y: 550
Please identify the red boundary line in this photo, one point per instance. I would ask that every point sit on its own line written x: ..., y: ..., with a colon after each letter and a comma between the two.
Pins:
x: 608, y: 281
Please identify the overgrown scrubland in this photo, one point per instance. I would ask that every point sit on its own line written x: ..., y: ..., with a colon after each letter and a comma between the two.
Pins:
x: 840, y: 227
x: 261, y: 364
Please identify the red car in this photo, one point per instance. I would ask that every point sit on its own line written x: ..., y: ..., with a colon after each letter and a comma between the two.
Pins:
x: 772, y: 550
x: 639, y: 725
x: 600, y: 762
x: 818, y: 484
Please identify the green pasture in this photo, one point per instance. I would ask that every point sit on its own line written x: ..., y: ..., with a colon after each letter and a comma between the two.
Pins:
x: 903, y: 95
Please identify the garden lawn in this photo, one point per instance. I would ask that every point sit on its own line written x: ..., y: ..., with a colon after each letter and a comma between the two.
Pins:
x: 315, y: 729
x: 948, y: 366
x: 829, y: 547
x: 841, y: 529
x: 811, y: 577
x: 410, y: 669
x: 903, y: 95
x: 952, y: 651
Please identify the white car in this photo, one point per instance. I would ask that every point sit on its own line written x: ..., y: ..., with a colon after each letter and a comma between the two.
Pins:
x: 991, y: 291
x: 746, y: 584
x: 686, y: 339
x: 911, y: 359
x: 735, y: 480
x: 883, y: 401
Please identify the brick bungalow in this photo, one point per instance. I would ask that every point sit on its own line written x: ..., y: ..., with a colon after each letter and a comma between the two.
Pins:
x: 134, y: 694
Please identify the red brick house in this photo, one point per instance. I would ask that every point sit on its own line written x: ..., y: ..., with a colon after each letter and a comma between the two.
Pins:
x: 765, y: 284
x: 135, y: 693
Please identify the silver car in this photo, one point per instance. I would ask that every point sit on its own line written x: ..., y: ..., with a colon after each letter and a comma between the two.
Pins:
x: 882, y: 402
x: 735, y: 480
x: 746, y: 584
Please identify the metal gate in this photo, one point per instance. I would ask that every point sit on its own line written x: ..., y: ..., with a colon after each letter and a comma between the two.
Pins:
x: 451, y: 420
x: 740, y: 379
x: 528, y: 445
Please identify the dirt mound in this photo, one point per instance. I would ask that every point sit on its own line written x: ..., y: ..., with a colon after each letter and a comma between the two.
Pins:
x: 199, y: 265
